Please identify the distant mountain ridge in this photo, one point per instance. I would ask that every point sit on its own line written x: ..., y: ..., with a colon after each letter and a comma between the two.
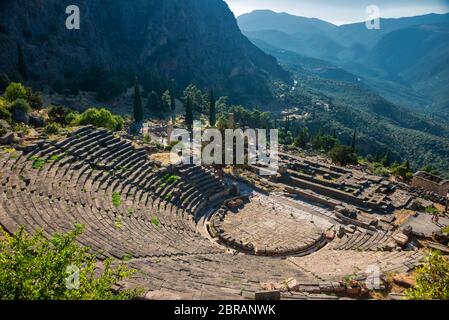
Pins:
x: 406, y: 60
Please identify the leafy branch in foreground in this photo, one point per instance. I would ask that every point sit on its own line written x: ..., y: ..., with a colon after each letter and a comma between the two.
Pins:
x: 432, y: 279
x: 35, y: 268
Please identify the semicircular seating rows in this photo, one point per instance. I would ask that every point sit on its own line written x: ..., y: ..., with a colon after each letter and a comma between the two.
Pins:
x: 135, y: 210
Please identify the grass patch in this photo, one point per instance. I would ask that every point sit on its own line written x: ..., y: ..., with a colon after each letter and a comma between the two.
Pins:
x: 55, y: 158
x: 432, y: 210
x: 118, y: 223
x: 155, y: 221
x: 445, y: 229
x: 38, y: 164
x: 116, y: 199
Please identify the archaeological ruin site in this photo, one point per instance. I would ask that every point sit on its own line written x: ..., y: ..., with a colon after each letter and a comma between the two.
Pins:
x: 313, y: 230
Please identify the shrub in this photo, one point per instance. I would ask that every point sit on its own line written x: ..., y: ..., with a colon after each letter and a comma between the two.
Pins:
x: 432, y: 210
x: 101, y: 118
x: 72, y: 118
x: 432, y: 279
x: 15, y: 91
x: 4, y: 82
x: 53, y: 128
x: 34, y: 98
x: 4, y: 112
x: 116, y: 199
x: 343, y: 155
x: 36, y: 268
x: 59, y: 114
x: 20, y: 104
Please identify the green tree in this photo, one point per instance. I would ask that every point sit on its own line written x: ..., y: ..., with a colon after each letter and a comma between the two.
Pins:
x: 34, y: 98
x: 189, y: 113
x: 20, y: 104
x: 166, y: 102
x: 343, y: 155
x: 432, y: 279
x: 15, y: 91
x: 101, y: 118
x: 222, y: 122
x: 4, y: 110
x: 21, y: 63
x: 35, y: 268
x: 303, y: 138
x: 138, y: 108
x: 212, y: 111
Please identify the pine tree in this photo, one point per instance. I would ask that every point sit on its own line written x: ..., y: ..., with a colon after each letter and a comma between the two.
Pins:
x: 138, y: 108
x: 212, y: 111
x: 189, y: 114
x: 21, y: 63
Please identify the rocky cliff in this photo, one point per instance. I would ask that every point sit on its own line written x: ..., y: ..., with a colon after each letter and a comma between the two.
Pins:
x: 194, y: 41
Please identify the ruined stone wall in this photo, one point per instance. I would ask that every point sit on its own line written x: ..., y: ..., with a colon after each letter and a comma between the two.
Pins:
x: 428, y: 185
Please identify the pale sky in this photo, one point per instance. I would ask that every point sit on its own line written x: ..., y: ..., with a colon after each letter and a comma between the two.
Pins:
x: 342, y: 11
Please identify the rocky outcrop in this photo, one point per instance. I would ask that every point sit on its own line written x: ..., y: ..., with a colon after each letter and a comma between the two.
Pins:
x: 190, y: 40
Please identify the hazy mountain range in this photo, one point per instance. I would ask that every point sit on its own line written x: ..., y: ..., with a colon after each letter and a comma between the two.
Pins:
x: 406, y: 60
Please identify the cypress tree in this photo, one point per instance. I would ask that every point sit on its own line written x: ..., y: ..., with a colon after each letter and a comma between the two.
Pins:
x: 212, y: 111
x: 189, y: 114
x: 21, y: 63
x: 138, y: 108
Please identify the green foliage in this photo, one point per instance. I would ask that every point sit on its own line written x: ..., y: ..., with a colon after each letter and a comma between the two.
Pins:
x: 4, y: 112
x: 4, y: 82
x: 222, y: 122
x: 58, y: 114
x: 15, y: 91
x: 34, y: 268
x: 324, y: 142
x: 166, y: 102
x: 303, y: 138
x: 147, y: 138
x: 432, y: 210
x: 38, y: 163
x: 343, y: 155
x: 34, y: 98
x: 118, y: 223
x: 20, y: 104
x: 403, y: 171
x: 52, y: 128
x: 137, y: 105
x: 198, y: 99
x: 253, y: 118
x: 101, y: 118
x: 445, y: 229
x: 155, y: 221
x: 116, y: 199
x: 432, y: 279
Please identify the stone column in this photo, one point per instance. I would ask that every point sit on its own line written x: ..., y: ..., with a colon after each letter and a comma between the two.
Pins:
x: 230, y: 120
x: 169, y: 131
